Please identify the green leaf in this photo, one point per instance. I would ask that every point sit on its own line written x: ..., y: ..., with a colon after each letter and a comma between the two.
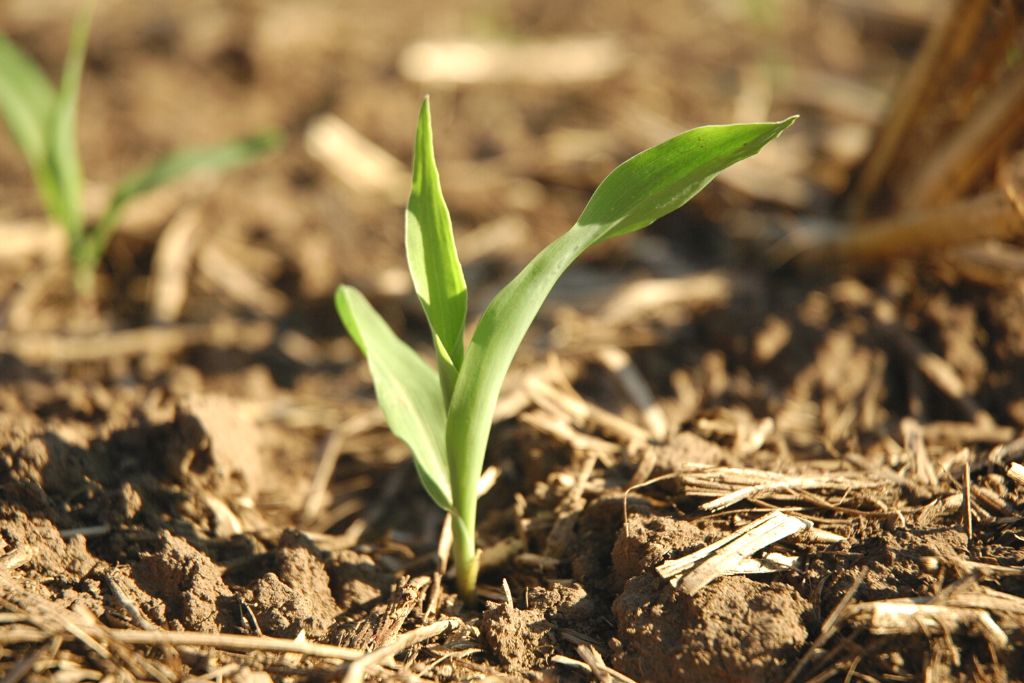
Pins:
x: 26, y: 99
x: 180, y: 162
x: 172, y: 167
x: 407, y: 389
x: 433, y: 261
x: 62, y: 152
x: 661, y: 179
x: 638, y: 192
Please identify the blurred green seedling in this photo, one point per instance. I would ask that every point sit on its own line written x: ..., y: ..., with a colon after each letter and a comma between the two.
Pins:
x: 41, y: 119
x: 444, y: 415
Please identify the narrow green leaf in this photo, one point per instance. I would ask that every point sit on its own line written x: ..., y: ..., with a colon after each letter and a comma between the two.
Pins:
x: 172, y: 167
x: 178, y: 163
x: 26, y: 98
x: 638, y: 192
x: 407, y: 389
x: 433, y: 261
x: 661, y: 179
x: 62, y: 153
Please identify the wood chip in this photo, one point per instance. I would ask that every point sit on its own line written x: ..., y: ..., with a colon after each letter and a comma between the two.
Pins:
x: 170, y: 340
x: 909, y: 617
x: 637, y: 389
x: 239, y: 283
x: 566, y: 433
x: 358, y: 162
x: 583, y: 413
x: 551, y: 61
x: 696, y: 570
x: 637, y: 299
x: 816, y: 535
x: 172, y: 265
x: 1016, y: 472
x: 921, y: 464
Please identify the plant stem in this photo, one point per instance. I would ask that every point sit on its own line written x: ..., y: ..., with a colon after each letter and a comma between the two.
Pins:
x: 83, y: 266
x: 84, y: 281
x: 467, y: 560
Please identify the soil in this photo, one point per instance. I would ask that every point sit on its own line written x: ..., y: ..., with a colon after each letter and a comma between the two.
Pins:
x: 221, y: 468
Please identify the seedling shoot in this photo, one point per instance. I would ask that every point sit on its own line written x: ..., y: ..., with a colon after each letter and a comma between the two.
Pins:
x: 444, y: 414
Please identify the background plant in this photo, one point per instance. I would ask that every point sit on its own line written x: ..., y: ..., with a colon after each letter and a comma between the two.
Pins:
x: 41, y: 119
x: 445, y: 415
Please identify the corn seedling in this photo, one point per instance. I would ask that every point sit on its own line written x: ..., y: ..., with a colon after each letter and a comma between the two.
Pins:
x: 445, y: 415
x: 41, y: 119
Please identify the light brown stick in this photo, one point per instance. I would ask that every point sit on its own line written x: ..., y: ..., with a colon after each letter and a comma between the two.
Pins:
x: 941, y: 47
x: 972, y: 148
x: 990, y: 215
x: 62, y: 348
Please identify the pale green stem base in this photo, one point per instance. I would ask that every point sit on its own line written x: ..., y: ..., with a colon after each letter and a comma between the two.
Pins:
x: 467, y: 559
x: 84, y: 280
x: 86, y: 254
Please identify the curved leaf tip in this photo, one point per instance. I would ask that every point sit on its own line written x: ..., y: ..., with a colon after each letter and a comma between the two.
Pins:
x: 433, y: 260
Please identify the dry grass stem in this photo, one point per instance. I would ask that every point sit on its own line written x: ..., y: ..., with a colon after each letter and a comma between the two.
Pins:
x: 696, y: 570
x: 168, y: 341
x: 356, y: 160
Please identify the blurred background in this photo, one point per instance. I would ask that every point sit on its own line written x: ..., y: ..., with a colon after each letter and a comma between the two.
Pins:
x: 533, y: 105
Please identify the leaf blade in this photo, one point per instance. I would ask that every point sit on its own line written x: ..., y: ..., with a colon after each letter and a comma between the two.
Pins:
x: 62, y: 151
x: 26, y: 97
x: 433, y: 260
x: 672, y: 172
x: 171, y: 167
x: 407, y: 390
x: 26, y: 101
x: 176, y: 164
x: 698, y: 156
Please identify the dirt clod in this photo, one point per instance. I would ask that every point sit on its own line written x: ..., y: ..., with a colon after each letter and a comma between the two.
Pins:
x: 521, y: 638
x: 283, y: 611
x: 564, y: 603
x: 736, y: 631
x: 189, y: 584
x: 356, y: 580
x: 646, y: 540
x: 46, y: 555
x: 596, y: 530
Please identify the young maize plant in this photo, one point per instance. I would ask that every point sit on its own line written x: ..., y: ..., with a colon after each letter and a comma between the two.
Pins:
x: 41, y: 120
x: 445, y: 415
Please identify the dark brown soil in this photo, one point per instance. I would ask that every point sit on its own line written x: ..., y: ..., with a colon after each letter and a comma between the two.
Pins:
x: 163, y: 474
x: 735, y: 630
